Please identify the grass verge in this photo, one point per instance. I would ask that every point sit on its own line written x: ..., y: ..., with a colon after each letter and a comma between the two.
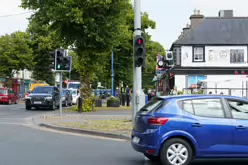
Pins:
x: 111, y: 126
x: 72, y: 109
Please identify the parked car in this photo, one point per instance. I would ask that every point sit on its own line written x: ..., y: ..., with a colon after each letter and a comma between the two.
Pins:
x: 66, y: 97
x: 8, y: 96
x: 178, y: 129
x: 43, y: 96
x: 75, y: 95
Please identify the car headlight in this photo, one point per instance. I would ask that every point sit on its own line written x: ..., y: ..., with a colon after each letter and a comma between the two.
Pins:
x: 49, y: 98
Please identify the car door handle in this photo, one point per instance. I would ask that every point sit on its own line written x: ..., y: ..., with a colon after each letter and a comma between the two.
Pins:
x: 240, y: 127
x: 196, y: 125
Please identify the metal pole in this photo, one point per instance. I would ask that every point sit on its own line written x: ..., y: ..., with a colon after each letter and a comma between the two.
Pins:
x: 138, y: 99
x: 112, y: 75
x: 246, y: 89
x: 60, y: 89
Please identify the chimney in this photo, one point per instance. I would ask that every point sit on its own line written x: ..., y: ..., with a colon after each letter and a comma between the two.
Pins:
x: 181, y: 35
x: 195, y: 18
x: 186, y: 29
x: 226, y: 13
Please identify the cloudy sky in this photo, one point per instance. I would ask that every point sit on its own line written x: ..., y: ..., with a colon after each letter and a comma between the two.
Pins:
x: 170, y: 15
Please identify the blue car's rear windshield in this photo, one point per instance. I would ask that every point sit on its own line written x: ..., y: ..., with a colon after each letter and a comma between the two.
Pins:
x: 154, y: 105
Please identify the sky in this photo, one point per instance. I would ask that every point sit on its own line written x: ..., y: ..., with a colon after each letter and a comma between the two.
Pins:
x: 170, y: 15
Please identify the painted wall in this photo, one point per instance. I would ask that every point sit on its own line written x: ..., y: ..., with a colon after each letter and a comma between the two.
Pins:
x: 216, y: 56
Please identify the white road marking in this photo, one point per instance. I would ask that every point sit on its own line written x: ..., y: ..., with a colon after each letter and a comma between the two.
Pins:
x: 10, y: 123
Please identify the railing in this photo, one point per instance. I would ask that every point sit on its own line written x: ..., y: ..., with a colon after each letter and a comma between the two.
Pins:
x: 240, y: 92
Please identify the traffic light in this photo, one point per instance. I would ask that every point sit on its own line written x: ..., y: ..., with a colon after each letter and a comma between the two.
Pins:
x: 59, y: 54
x: 52, y: 59
x: 67, y: 63
x: 139, y: 51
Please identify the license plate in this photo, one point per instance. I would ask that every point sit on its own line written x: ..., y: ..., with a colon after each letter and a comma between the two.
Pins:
x: 136, y: 140
x: 37, y: 102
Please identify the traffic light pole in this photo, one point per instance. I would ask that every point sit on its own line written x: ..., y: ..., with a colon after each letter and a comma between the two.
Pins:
x: 138, y: 99
x: 60, y: 89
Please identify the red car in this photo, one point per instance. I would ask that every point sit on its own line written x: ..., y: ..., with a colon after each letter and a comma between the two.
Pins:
x: 8, y: 96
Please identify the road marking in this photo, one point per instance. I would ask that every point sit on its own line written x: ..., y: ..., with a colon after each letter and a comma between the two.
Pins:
x: 10, y: 123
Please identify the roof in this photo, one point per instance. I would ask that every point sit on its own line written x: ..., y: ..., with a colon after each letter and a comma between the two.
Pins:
x: 216, y: 30
x: 200, y: 96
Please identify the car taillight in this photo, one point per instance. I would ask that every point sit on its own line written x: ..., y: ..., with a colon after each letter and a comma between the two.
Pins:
x: 157, y: 121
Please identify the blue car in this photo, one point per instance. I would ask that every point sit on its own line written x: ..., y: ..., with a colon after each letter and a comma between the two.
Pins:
x: 177, y: 129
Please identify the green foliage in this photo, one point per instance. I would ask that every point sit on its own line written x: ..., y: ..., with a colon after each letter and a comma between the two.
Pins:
x: 114, y: 99
x: 43, y: 41
x: 88, y: 105
x: 94, y: 29
x: 180, y: 93
x: 15, y: 53
x: 153, y: 48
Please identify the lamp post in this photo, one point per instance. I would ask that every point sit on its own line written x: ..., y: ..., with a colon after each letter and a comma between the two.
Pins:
x: 112, y: 74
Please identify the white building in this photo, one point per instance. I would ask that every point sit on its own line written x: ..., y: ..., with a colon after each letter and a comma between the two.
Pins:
x: 23, y: 74
x: 214, y: 49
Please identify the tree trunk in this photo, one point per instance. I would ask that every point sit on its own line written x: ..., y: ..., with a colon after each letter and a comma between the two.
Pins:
x: 85, y: 92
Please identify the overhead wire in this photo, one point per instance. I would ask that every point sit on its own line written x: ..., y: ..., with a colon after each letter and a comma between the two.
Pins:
x: 10, y: 15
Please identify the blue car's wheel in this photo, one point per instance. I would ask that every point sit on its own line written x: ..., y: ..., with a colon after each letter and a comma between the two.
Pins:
x: 176, y: 151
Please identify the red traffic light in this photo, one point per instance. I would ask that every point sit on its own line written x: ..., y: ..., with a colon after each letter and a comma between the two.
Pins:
x: 139, y: 41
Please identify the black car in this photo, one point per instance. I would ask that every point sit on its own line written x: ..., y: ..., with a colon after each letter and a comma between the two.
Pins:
x: 43, y: 96
x: 66, y: 97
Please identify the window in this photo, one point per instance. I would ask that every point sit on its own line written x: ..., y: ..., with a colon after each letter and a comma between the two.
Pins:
x: 3, y: 91
x: 153, y: 105
x: 198, y: 54
x: 208, y: 108
x: 237, y: 56
x: 48, y: 90
x: 239, y: 109
x: 188, y: 106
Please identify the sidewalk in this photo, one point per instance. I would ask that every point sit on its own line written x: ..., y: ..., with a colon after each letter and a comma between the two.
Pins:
x: 109, y: 123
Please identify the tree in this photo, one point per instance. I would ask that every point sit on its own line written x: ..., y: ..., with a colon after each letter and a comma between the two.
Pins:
x: 153, y: 48
x: 15, y: 53
x: 43, y: 41
x: 93, y: 27
x: 124, y: 53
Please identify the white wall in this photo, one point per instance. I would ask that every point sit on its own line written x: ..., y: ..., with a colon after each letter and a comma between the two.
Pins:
x: 26, y: 74
x: 180, y: 82
x: 229, y: 84
x: 218, y: 56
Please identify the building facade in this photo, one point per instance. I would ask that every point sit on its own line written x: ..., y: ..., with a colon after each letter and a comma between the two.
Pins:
x: 211, y: 55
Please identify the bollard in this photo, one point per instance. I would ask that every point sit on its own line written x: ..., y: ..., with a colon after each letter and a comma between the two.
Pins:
x: 80, y: 105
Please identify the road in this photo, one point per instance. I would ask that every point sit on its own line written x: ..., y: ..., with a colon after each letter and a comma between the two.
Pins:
x: 23, y: 144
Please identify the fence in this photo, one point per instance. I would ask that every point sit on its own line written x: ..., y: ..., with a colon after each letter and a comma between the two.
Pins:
x: 240, y: 92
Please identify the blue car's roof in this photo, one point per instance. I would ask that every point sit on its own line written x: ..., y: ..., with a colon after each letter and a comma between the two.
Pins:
x: 177, y: 97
